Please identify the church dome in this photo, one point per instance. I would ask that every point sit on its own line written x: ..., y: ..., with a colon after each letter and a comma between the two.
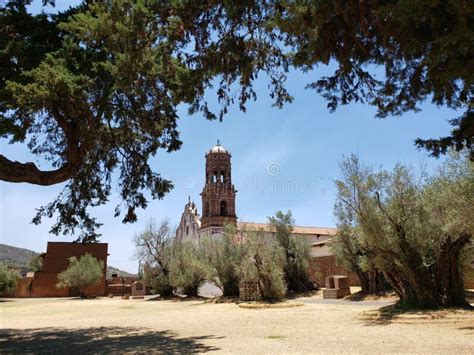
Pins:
x: 218, y: 149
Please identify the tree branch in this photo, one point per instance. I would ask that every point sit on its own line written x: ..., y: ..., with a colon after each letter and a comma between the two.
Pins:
x: 14, y: 171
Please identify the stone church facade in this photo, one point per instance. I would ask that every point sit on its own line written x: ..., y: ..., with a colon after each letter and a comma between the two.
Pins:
x: 218, y: 199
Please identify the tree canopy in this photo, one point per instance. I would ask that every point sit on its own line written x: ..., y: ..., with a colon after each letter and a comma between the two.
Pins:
x: 414, y: 229
x: 81, y: 273
x: 93, y: 91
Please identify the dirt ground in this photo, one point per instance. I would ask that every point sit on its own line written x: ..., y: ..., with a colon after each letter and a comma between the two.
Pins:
x: 115, y: 325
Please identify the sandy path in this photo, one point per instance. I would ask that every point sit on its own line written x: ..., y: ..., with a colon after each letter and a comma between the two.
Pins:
x: 115, y: 325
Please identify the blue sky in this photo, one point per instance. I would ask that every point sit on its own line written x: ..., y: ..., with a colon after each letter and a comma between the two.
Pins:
x: 282, y: 160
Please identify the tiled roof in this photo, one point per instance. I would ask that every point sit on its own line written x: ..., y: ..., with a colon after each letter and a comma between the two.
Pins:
x: 247, y: 226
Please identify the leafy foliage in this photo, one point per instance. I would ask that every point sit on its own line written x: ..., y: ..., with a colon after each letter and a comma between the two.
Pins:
x: 413, y: 229
x: 224, y: 257
x: 264, y: 264
x: 187, y: 270
x: 35, y: 264
x: 81, y: 273
x: 350, y: 252
x: 296, y: 252
x: 424, y: 48
x: 8, y: 279
x: 94, y: 90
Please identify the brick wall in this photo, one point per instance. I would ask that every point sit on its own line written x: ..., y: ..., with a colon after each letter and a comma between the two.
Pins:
x: 323, y: 266
x: 56, y: 260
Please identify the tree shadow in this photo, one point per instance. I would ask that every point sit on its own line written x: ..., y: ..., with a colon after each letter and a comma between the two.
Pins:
x: 397, y: 313
x: 364, y: 296
x: 100, y: 340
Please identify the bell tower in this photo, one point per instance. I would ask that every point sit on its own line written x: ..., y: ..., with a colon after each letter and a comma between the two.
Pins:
x: 218, y: 195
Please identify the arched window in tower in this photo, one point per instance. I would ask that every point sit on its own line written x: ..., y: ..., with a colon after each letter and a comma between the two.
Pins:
x: 222, y: 176
x: 207, y: 210
x: 187, y: 230
x: 223, y: 208
x: 214, y: 177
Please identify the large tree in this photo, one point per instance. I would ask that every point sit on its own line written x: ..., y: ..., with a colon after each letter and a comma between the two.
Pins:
x: 392, y: 54
x: 414, y: 229
x: 154, y: 251
x: 94, y: 91
x: 296, y: 252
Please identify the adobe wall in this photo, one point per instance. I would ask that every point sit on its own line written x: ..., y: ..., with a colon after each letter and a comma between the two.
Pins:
x: 468, y: 274
x: 56, y: 260
x: 323, y: 266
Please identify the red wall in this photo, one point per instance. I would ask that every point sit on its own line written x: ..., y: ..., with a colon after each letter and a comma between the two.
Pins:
x: 324, y: 266
x: 56, y: 260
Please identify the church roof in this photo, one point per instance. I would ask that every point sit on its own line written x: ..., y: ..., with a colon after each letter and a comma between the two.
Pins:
x: 218, y: 148
x: 266, y: 227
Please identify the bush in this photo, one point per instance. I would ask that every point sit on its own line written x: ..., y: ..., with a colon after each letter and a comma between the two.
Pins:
x: 35, y: 264
x: 81, y: 273
x: 296, y: 253
x: 8, y: 279
x: 187, y: 269
x: 264, y: 265
x: 157, y: 281
x: 223, y: 257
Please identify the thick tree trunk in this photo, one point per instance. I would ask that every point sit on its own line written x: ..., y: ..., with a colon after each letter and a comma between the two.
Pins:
x: 191, y: 291
x: 372, y: 282
x: 449, y: 281
x: 432, y: 287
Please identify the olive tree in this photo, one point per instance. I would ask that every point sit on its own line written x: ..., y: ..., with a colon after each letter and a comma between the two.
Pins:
x: 81, y: 273
x: 296, y: 252
x: 264, y: 264
x: 415, y: 229
x: 188, y: 270
x: 350, y: 252
x: 224, y: 256
x: 8, y: 279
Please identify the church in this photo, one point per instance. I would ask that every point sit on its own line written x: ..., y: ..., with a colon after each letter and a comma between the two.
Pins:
x: 219, y: 209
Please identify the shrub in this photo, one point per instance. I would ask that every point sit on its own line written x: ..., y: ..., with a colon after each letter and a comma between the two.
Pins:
x: 81, y: 273
x: 223, y: 257
x: 8, y: 279
x: 187, y: 268
x: 296, y: 253
x: 264, y: 264
x: 35, y: 264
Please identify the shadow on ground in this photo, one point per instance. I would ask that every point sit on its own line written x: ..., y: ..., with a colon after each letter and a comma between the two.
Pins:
x: 99, y: 340
x: 394, y: 313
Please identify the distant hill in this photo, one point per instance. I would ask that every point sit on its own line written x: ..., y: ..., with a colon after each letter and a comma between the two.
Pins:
x: 15, y: 257
x: 113, y: 270
x: 19, y: 258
